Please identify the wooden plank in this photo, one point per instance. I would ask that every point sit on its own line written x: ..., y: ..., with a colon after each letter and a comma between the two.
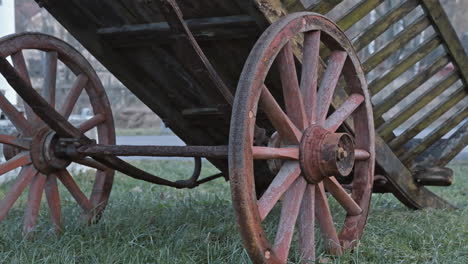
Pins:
x: 403, y: 65
x: 400, y: 93
x: 443, y: 151
x: 417, y: 104
x: 435, y: 135
x: 427, y: 119
x: 402, y: 181
x: 359, y: 11
x: 442, y: 25
x: 203, y: 29
x: 399, y: 41
x: 317, y: 6
x: 385, y: 22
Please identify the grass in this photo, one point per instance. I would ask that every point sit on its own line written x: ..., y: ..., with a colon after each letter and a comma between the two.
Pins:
x: 145, y: 223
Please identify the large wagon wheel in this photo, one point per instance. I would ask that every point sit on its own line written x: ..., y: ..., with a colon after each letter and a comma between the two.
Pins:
x: 30, y: 147
x: 315, y: 151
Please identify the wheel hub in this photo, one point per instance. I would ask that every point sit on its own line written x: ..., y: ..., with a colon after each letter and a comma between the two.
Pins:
x: 324, y: 154
x: 43, y: 152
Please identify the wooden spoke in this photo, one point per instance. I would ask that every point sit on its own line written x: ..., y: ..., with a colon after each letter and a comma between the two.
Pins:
x: 335, y: 120
x: 89, y: 162
x: 289, y: 212
x: 15, y: 116
x: 309, y: 77
x: 361, y: 154
x: 325, y: 220
x: 73, y: 95
x: 291, y: 93
x: 330, y: 80
x: 343, y: 198
x: 92, y: 123
x: 275, y: 153
x: 14, y: 141
x: 287, y: 130
x: 306, y: 223
x: 24, y: 178
x: 17, y: 161
x: 53, y: 200
x: 49, y: 88
x: 33, y: 204
x: 283, y: 180
x: 20, y: 65
x: 75, y: 191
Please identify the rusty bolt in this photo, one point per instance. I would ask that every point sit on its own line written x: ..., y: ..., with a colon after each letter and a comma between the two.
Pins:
x: 342, y: 153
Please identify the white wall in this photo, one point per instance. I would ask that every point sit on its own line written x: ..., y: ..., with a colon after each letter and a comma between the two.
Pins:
x: 7, y: 26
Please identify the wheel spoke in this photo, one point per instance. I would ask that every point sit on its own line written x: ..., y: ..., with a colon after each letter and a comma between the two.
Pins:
x: 343, y: 198
x: 275, y: 153
x: 92, y: 123
x: 291, y: 93
x: 53, y: 200
x: 361, y: 154
x: 335, y: 120
x: 74, y: 190
x: 283, y: 180
x: 33, y: 204
x: 325, y: 220
x: 15, y: 116
x: 50, y: 77
x: 20, y: 65
x: 329, y: 82
x: 285, y: 127
x: 73, y: 95
x: 14, y: 141
x: 306, y: 223
x: 17, y: 161
x: 24, y: 178
x: 309, y: 77
x: 289, y: 212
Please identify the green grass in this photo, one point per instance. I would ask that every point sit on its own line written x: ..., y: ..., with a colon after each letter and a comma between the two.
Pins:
x: 145, y: 223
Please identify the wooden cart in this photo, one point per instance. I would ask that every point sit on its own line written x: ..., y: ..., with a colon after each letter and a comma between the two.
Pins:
x: 271, y: 92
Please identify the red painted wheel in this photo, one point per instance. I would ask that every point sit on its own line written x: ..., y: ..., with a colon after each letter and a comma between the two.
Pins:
x: 30, y: 147
x: 311, y: 151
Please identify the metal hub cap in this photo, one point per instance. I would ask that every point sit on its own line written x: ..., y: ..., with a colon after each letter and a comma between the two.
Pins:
x: 324, y: 154
x: 42, y: 152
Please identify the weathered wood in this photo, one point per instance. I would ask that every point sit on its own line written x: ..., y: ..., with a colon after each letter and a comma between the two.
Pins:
x: 399, y: 41
x: 445, y: 29
x: 203, y: 29
x: 357, y: 13
x: 378, y: 84
x: 402, y: 181
x: 442, y: 152
x: 385, y: 22
x: 317, y: 6
x: 418, y: 104
x: 434, y: 176
x: 435, y: 135
x: 427, y: 119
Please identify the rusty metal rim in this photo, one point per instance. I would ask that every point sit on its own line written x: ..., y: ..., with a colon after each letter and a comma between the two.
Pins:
x: 243, y: 121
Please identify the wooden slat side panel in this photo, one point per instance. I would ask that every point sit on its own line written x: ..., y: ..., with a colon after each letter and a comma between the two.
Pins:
x: 384, y: 23
x: 417, y: 104
x: 437, y: 134
x: 442, y: 152
x: 428, y: 118
x: 445, y: 29
x: 405, y: 64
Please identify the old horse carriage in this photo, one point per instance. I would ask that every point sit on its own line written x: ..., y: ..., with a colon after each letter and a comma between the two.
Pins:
x: 286, y: 115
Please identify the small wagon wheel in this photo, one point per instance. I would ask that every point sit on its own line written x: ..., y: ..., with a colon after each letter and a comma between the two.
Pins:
x: 30, y: 146
x: 311, y: 150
